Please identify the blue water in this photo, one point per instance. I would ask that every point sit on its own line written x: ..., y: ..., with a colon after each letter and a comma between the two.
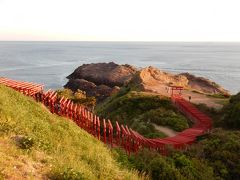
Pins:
x: 51, y: 62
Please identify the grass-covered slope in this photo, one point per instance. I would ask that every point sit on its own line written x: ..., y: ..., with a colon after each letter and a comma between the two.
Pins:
x: 37, y: 144
x: 139, y: 110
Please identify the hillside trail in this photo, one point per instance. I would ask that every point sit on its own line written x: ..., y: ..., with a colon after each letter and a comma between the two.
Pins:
x: 165, y: 130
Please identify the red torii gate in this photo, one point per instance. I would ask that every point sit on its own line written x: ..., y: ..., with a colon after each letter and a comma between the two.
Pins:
x: 176, y: 88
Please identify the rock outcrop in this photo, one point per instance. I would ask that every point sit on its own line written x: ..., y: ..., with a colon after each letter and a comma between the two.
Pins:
x: 84, y: 85
x: 204, y: 85
x: 152, y: 76
x: 151, y: 79
x: 100, y: 79
x: 109, y: 74
x: 154, y: 80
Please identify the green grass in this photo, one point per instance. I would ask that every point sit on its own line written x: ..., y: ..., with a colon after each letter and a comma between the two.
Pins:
x: 197, y: 92
x: 37, y: 144
x: 222, y: 101
x: 219, y: 96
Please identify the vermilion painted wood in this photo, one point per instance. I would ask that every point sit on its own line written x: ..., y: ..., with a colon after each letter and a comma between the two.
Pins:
x: 21, y: 84
x: 104, y: 130
x: 98, y: 130
x: 110, y: 133
x: 118, y: 133
x: 95, y: 126
x: 30, y: 89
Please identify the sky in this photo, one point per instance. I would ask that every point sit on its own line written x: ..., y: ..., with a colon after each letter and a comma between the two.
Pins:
x: 120, y: 20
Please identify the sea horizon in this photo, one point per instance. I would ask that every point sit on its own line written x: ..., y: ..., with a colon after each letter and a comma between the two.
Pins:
x: 119, y: 41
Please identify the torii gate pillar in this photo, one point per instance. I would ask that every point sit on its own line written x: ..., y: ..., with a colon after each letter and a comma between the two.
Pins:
x: 176, y: 88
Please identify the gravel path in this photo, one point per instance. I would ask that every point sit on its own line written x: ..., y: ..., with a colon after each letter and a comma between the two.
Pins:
x: 166, y: 130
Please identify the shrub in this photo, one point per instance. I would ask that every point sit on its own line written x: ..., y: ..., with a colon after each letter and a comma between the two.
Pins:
x: 24, y: 142
x: 231, y: 113
x: 164, y: 117
x: 222, y: 152
x: 78, y: 97
x: 139, y: 110
x: 211, y: 112
x: 160, y: 169
x: 66, y: 174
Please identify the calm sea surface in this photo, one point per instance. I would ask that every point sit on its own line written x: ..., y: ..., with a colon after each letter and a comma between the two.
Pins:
x: 51, y: 62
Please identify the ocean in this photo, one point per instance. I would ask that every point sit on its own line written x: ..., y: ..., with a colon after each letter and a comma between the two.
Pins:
x: 50, y: 62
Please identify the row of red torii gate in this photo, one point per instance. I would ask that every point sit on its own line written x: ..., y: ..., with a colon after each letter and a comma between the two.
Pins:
x: 118, y: 134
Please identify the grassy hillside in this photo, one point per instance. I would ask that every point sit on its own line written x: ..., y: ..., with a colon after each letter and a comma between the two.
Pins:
x: 139, y: 110
x: 36, y: 144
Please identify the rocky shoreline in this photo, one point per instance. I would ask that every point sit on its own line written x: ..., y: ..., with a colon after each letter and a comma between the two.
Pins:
x: 103, y: 79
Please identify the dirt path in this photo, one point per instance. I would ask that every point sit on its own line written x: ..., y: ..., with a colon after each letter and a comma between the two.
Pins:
x: 166, y: 130
x: 196, y: 98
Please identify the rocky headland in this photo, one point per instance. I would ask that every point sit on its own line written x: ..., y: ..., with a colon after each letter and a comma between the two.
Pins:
x: 103, y: 79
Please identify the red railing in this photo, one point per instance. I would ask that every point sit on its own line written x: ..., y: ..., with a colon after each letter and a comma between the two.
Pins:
x: 119, y: 135
x: 30, y: 89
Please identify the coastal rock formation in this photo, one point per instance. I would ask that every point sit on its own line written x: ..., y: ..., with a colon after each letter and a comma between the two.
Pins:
x: 84, y: 85
x: 100, y: 79
x: 103, y: 79
x: 204, y: 85
x: 152, y: 79
x: 152, y: 76
x: 109, y: 74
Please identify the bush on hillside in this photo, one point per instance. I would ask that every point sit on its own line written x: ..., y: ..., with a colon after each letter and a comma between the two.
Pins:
x: 214, y: 158
x: 222, y: 152
x: 139, y: 110
x: 147, y: 129
x: 231, y: 113
x: 24, y: 142
x: 164, y: 117
x: 175, y: 166
x: 66, y: 174
x: 211, y: 112
x: 78, y: 97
